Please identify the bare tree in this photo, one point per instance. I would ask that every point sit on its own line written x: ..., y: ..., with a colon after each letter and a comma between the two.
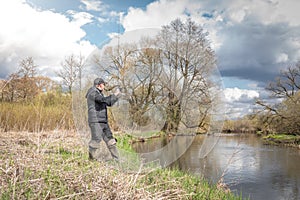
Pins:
x: 25, y: 84
x: 71, y: 70
x: 27, y: 72
x: 287, y: 84
x: 28, y: 68
x: 135, y: 71
x: 188, y: 60
x: 172, y: 74
x: 21, y: 84
x: 10, y: 88
x: 284, y: 116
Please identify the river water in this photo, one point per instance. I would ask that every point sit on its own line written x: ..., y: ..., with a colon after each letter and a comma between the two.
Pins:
x: 244, y: 164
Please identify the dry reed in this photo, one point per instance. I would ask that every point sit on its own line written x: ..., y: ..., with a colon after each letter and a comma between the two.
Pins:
x: 54, y: 165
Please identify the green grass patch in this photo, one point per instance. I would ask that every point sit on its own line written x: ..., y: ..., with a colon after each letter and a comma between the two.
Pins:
x: 278, y: 139
x: 259, y: 133
x: 124, y: 142
x: 195, y: 187
x: 282, y: 137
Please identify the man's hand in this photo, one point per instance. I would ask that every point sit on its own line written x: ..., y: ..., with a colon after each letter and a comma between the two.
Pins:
x: 118, y: 93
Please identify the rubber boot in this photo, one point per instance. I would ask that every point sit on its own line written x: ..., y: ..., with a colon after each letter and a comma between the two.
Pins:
x: 94, y: 150
x: 112, y: 147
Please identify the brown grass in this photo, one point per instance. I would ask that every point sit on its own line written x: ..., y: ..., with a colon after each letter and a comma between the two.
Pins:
x: 55, y: 166
x: 35, y: 116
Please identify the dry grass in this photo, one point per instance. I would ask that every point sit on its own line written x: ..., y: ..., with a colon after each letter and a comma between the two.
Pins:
x: 37, y: 115
x: 55, y: 165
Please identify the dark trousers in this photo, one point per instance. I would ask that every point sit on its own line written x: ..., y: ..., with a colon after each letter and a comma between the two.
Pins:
x: 101, y: 131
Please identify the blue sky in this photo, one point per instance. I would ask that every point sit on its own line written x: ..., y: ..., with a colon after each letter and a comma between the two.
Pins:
x: 109, y: 10
x: 253, y: 39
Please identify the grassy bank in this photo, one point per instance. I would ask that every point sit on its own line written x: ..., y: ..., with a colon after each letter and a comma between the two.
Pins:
x: 55, y: 165
x: 282, y: 139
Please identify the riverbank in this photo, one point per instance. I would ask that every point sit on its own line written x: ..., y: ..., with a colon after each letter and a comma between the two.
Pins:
x: 55, y: 165
x: 275, y: 139
x: 282, y: 139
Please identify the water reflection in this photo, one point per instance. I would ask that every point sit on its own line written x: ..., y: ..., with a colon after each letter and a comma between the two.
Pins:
x: 170, y: 150
x: 247, y: 166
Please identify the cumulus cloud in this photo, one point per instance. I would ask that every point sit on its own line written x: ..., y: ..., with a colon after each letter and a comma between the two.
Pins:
x: 156, y: 14
x: 256, y: 38
x: 256, y: 51
x: 239, y: 101
x: 253, y: 39
x: 94, y: 5
x: 265, y: 11
x: 80, y: 18
x: 236, y: 94
x: 44, y: 35
x: 101, y: 20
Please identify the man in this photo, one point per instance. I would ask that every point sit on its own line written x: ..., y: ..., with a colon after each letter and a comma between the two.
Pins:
x: 98, y: 120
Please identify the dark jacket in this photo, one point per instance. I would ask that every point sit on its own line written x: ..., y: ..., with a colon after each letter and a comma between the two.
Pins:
x: 97, y: 105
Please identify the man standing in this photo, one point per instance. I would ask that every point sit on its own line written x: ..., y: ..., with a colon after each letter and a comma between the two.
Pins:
x: 98, y: 120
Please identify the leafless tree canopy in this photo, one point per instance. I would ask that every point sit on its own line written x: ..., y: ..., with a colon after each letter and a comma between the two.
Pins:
x: 285, y: 116
x: 71, y: 70
x: 188, y: 61
x: 21, y: 85
x: 170, y: 73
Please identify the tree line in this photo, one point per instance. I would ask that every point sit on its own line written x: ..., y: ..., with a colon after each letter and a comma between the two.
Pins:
x: 32, y: 102
x: 25, y: 84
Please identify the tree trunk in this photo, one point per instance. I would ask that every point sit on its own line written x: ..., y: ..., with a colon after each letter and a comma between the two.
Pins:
x: 173, y: 113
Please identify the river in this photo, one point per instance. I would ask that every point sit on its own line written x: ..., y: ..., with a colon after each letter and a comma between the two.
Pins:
x: 244, y: 163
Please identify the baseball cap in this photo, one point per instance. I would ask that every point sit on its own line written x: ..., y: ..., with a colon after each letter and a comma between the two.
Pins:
x: 98, y: 81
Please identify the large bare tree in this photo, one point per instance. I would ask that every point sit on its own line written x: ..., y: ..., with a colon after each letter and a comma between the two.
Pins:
x: 169, y: 72
x: 188, y: 60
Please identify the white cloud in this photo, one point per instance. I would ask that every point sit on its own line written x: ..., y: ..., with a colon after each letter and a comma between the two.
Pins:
x: 156, y: 14
x: 236, y: 94
x: 113, y: 35
x: 224, y: 14
x: 102, y: 20
x: 115, y: 14
x: 162, y: 12
x: 265, y: 11
x: 80, y: 18
x: 95, y: 5
x: 282, y: 57
x: 239, y: 102
x: 44, y: 35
